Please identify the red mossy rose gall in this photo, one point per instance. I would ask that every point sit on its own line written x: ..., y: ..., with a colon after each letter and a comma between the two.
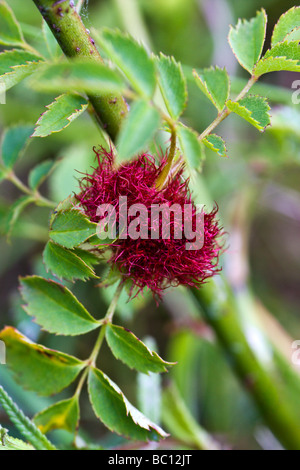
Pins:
x: 152, y: 263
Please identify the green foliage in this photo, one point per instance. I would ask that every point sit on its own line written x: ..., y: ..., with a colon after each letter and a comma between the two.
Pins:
x: 288, y: 23
x: 132, y: 59
x: 253, y: 109
x: 215, y: 84
x: 149, y: 389
x: 14, y: 142
x: 177, y: 417
x: 10, y: 31
x: 172, y: 84
x: 70, y: 252
x: 16, y: 65
x: 133, y: 352
x: 60, y: 114
x: 80, y: 76
x: 137, y: 130
x: 216, y: 143
x: 114, y: 410
x: 37, y: 368
x: 39, y: 173
x: 247, y: 39
x: 66, y: 264
x: 283, y: 56
x: 71, y: 228
x: 10, y: 443
x: 24, y: 425
x: 55, y: 308
x: 61, y: 415
x: 15, y: 211
x: 51, y: 43
x: 191, y: 147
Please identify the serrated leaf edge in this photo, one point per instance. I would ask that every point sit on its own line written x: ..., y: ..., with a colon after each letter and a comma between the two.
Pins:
x: 70, y: 118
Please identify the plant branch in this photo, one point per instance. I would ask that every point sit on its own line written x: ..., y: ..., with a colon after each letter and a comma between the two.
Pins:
x: 219, y: 309
x: 95, y: 352
x: 226, y: 111
x: 164, y: 174
x: 24, y: 425
x: 38, y: 198
x: 75, y: 41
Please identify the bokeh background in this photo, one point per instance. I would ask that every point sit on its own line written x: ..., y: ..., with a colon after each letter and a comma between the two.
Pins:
x: 257, y: 189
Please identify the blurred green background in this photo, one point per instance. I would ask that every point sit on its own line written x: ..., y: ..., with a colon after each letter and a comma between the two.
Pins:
x: 258, y: 192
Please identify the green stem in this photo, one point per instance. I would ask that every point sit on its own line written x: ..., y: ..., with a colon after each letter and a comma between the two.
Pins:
x: 164, y: 174
x: 107, y: 319
x: 219, y: 309
x: 226, y: 111
x: 39, y: 199
x: 91, y: 362
x: 75, y: 41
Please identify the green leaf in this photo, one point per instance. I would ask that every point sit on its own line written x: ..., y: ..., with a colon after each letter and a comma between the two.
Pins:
x: 53, y: 48
x: 132, y: 59
x: 61, y: 415
x: 14, y: 142
x: 18, y: 74
x: 275, y: 64
x: 80, y: 76
x: 26, y: 427
x: 64, y: 110
x: 247, y: 39
x: 253, y: 109
x: 65, y: 263
x: 293, y: 35
x: 15, y: 57
x: 214, y: 83
x: 288, y: 22
x: 71, y: 228
x: 137, y: 129
x: 178, y: 418
x: 16, y: 65
x: 191, y: 147
x: 55, y: 308
x: 172, y: 84
x: 67, y: 204
x: 149, y: 389
x: 37, y: 368
x: 39, y: 173
x: 10, y: 31
x: 216, y: 143
x: 8, y: 442
x: 283, y: 56
x: 130, y: 350
x: 15, y: 211
x: 89, y: 258
x: 287, y: 49
x: 116, y: 413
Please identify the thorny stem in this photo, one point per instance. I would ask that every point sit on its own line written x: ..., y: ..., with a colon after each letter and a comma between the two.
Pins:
x: 221, y: 313
x: 76, y: 42
x: 226, y: 111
